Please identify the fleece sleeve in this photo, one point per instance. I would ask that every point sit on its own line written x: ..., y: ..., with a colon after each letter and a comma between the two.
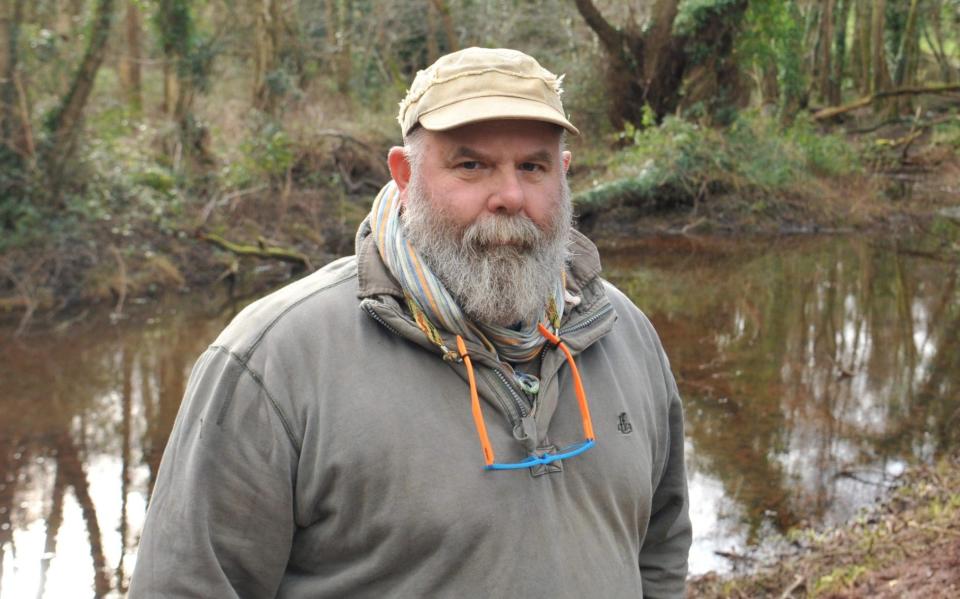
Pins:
x: 666, y: 546
x: 221, y: 519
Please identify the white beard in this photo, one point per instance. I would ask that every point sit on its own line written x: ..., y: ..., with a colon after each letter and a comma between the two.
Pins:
x: 500, y: 269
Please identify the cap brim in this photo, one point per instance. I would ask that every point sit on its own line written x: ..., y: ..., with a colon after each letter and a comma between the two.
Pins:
x: 489, y: 108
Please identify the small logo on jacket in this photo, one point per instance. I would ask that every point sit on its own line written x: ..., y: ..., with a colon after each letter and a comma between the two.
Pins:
x: 624, y: 425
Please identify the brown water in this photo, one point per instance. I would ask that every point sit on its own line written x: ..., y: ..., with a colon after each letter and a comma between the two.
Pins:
x: 813, y: 370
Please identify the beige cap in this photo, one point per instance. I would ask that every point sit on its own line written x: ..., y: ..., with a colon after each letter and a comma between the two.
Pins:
x: 481, y: 84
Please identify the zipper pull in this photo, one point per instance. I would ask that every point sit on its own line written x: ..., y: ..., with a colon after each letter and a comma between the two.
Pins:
x: 528, y: 383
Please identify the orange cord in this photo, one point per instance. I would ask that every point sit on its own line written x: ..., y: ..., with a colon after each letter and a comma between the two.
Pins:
x: 475, y: 404
x: 577, y: 383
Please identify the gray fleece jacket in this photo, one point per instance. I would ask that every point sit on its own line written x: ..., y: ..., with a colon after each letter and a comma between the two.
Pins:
x: 324, y: 449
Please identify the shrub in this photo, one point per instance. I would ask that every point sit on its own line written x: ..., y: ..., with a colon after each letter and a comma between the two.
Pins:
x: 754, y: 157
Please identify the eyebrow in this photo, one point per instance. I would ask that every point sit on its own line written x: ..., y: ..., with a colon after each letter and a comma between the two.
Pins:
x: 540, y: 156
x: 469, y: 153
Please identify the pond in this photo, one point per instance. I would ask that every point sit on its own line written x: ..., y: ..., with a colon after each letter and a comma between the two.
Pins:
x: 813, y: 370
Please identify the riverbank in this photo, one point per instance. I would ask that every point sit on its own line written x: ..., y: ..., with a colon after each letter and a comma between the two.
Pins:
x: 160, y: 236
x: 906, y: 547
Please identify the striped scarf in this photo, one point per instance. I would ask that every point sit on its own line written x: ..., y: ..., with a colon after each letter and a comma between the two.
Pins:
x: 432, y: 305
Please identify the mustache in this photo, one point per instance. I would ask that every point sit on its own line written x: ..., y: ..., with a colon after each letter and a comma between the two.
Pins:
x: 495, y: 230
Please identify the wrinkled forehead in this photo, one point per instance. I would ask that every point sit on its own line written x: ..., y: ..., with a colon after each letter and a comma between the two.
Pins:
x: 503, y: 135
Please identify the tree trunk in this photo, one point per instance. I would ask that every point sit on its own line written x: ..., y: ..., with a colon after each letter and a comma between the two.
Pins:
x: 171, y: 87
x: 174, y: 25
x: 769, y: 84
x: 344, y: 58
x: 790, y: 66
x: 12, y: 125
x: 908, y: 47
x: 840, y: 53
x: 447, y: 20
x: 647, y: 67
x: 863, y: 44
x: 130, y: 59
x: 935, y: 39
x: 662, y: 58
x: 269, y: 30
x: 825, y: 51
x: 433, y: 49
x: 65, y: 120
x: 878, y: 63
x: 337, y: 18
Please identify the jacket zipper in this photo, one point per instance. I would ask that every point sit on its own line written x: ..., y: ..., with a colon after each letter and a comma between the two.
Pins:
x: 521, y: 405
x: 587, y: 321
x: 383, y: 322
x: 580, y: 325
x: 517, y: 402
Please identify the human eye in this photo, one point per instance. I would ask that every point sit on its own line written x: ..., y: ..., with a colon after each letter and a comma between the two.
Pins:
x: 531, y: 167
x: 470, y: 165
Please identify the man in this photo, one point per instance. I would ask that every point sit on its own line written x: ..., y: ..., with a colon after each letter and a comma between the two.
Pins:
x: 463, y: 409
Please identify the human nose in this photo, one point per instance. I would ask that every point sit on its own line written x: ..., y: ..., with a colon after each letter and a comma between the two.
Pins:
x: 508, y: 196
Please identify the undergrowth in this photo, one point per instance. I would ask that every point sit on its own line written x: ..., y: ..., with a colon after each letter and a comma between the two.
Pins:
x: 681, y: 162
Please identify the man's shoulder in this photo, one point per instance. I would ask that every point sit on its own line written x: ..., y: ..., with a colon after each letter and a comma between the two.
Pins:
x: 324, y: 296
x: 625, y: 307
x: 632, y: 324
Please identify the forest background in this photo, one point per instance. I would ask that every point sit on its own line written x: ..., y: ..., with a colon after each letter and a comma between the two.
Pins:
x: 151, y: 144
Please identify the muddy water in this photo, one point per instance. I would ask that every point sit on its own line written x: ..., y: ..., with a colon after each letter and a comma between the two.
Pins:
x: 813, y: 370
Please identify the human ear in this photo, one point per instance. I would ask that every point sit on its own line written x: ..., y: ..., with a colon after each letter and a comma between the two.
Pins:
x: 399, y: 166
x: 565, y: 157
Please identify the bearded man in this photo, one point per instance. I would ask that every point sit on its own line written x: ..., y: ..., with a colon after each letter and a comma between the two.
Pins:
x: 463, y: 409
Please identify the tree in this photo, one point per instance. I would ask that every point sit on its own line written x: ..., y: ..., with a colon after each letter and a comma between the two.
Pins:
x: 649, y: 65
x: 772, y: 41
x: 13, y: 126
x: 269, y: 29
x: 187, y: 63
x: 64, y: 122
x: 130, y: 59
x: 16, y: 146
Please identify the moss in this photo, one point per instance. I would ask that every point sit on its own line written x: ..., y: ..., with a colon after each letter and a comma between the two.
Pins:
x: 837, y: 580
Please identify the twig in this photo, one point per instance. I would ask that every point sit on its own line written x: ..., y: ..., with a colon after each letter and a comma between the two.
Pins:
x: 220, y: 201
x: 733, y: 556
x: 912, y: 136
x: 343, y: 136
x: 29, y: 303
x: 894, y: 121
x: 797, y: 582
x: 936, y: 529
x: 239, y: 194
x: 122, y: 292
x: 24, y: 114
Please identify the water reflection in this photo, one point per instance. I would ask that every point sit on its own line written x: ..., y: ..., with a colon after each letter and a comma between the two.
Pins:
x: 811, y: 370
x: 86, y: 417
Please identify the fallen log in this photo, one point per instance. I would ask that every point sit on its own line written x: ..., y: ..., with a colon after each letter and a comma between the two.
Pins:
x: 832, y: 111
x: 261, y: 250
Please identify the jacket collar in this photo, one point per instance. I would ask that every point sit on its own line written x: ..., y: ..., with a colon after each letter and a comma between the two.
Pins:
x: 381, y: 296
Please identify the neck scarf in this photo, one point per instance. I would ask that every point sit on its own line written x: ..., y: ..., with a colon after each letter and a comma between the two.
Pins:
x: 433, y: 306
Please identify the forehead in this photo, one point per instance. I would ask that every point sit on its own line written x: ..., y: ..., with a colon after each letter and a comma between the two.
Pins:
x: 498, y: 136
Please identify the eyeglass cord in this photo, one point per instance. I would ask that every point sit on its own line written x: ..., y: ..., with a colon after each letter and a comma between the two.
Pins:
x: 488, y: 454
